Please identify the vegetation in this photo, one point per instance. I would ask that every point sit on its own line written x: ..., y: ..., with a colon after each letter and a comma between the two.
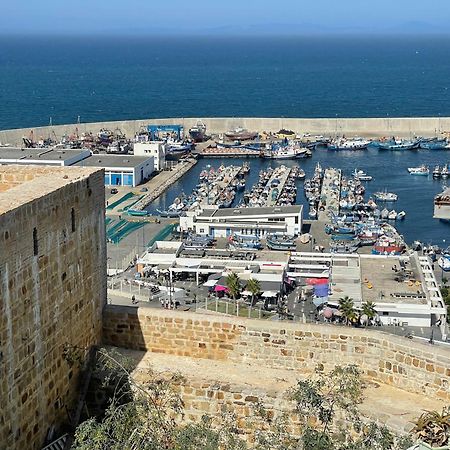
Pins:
x: 253, y: 286
x: 347, y: 308
x: 234, y: 285
x: 445, y: 291
x: 368, y: 309
x: 433, y: 427
x: 150, y: 416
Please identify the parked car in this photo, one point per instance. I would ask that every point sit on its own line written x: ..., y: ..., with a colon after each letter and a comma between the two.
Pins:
x: 144, y: 189
x: 114, y: 191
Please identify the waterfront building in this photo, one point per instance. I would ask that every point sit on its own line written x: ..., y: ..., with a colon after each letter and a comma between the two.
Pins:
x: 121, y: 170
x: 223, y: 222
x: 52, y: 293
x: 155, y: 149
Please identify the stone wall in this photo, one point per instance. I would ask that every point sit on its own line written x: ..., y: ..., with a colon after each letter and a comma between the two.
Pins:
x: 371, y: 127
x: 409, y: 365
x: 52, y: 291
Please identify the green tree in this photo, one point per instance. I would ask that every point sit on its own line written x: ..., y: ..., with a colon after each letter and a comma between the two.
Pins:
x: 234, y: 285
x: 253, y: 286
x: 368, y: 308
x: 347, y: 308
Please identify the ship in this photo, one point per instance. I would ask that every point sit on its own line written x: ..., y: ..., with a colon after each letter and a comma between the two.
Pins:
x: 241, y: 134
x: 198, y: 132
x: 397, y: 145
x: 290, y: 151
x: 422, y: 170
x: 348, y: 144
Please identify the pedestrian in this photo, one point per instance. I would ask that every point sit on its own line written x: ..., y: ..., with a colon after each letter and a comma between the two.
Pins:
x: 133, y: 300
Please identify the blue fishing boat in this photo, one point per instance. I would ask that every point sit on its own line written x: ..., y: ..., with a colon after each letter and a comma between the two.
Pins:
x: 398, y: 145
x: 136, y: 212
x: 433, y: 144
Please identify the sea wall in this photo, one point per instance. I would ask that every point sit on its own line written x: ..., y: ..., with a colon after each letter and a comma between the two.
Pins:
x: 369, y: 127
x: 52, y: 291
x: 407, y: 365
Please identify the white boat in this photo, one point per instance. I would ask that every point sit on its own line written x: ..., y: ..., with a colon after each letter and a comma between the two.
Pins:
x: 288, y: 152
x: 436, y: 172
x: 422, y: 170
x: 445, y: 171
x: 386, y: 196
x: 349, y: 144
x: 444, y: 263
x: 401, y: 215
x: 392, y: 215
x: 312, y: 213
x: 361, y: 175
x: 384, y: 213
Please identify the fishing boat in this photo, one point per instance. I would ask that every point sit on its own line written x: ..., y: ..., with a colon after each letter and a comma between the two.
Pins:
x: 345, y: 247
x: 392, y: 215
x: 401, y: 215
x: 385, y: 196
x: 396, y: 145
x: 422, y: 170
x: 361, y: 175
x: 280, y: 241
x: 287, y: 152
x: 433, y: 144
x: 436, y: 172
x: 386, y: 245
x: 348, y: 144
x: 241, y: 134
x: 445, y: 171
x: 198, y: 132
x: 312, y: 213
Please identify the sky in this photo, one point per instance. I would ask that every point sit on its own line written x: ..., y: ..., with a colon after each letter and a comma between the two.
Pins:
x: 224, y: 17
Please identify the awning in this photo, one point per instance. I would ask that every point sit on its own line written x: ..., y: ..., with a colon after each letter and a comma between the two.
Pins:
x: 210, y: 283
x: 267, y: 294
x: 220, y: 288
x: 246, y: 293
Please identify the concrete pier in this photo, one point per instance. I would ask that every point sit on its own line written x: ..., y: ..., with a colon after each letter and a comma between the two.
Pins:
x: 282, y: 174
x: 366, y: 127
x: 219, y: 186
x: 330, y: 196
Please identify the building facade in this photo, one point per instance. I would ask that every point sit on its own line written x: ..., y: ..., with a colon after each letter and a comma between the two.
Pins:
x: 224, y: 222
x: 52, y: 292
x: 156, y: 149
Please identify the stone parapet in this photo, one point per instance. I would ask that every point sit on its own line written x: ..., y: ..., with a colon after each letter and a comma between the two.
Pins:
x: 408, y: 365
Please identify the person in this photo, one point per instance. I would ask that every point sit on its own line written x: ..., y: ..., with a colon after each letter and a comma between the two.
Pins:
x: 133, y: 299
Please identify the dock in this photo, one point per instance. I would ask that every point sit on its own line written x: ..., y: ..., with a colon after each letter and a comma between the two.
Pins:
x: 182, y: 168
x: 330, y: 194
x: 229, y: 174
x: 215, y: 152
x: 281, y: 174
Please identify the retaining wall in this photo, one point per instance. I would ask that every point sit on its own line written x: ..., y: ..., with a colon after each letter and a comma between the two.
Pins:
x: 371, y: 127
x: 405, y: 364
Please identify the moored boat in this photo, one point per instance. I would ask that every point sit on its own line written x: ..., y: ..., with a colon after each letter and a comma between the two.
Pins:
x: 279, y: 241
x: 385, y: 196
x: 422, y: 170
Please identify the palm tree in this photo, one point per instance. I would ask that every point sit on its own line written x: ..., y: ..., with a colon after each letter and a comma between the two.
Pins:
x: 233, y: 285
x: 254, y: 287
x: 347, y: 308
x: 368, y: 308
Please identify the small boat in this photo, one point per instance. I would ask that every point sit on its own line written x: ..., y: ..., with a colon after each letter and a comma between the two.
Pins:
x: 444, y: 263
x: 436, y: 172
x: 422, y: 170
x: 280, y: 241
x: 137, y: 212
x: 433, y: 144
x: 392, y: 215
x: 241, y: 185
x: 171, y: 214
x: 384, y: 214
x: 385, y: 196
x: 288, y: 152
x: 401, y: 215
x: 312, y: 213
x: 396, y: 145
x: 361, y: 175
x: 348, y: 144
x: 445, y: 171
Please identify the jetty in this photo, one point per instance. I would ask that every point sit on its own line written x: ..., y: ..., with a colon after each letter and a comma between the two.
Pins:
x: 182, y: 168
x: 330, y: 194
x: 281, y: 174
x: 222, y: 152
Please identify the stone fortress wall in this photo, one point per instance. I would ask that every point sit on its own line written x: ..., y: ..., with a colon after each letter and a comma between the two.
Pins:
x: 408, y: 365
x: 52, y: 291
x: 369, y: 127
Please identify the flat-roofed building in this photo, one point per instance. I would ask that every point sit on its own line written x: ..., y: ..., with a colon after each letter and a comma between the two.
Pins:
x: 42, y: 156
x: 156, y: 149
x: 121, y: 170
x: 223, y: 222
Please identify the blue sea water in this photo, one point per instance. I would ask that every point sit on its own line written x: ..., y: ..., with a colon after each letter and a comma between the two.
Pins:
x: 101, y: 79
x: 118, y: 78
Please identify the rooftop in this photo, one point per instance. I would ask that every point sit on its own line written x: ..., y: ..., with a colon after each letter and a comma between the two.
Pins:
x: 36, y: 154
x: 22, y: 184
x: 103, y: 160
x: 240, y: 212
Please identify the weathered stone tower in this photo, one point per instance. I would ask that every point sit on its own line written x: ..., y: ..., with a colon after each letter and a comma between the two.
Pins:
x: 52, y: 291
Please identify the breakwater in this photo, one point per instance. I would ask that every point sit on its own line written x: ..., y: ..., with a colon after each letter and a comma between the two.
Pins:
x: 368, y: 127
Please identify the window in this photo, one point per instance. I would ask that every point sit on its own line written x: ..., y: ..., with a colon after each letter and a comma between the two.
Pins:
x: 35, y: 242
x: 72, y: 219
x: 202, y: 230
x: 385, y: 313
x: 296, y: 219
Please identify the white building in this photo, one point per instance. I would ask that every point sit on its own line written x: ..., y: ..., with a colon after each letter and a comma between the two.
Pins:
x: 121, y: 170
x: 222, y: 222
x: 156, y: 149
x: 42, y: 156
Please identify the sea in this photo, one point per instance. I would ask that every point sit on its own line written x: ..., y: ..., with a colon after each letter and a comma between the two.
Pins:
x: 66, y: 79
